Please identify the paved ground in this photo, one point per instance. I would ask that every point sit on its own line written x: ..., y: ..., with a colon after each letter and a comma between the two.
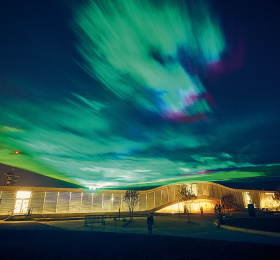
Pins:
x: 262, y: 224
x: 202, y: 227
x: 172, y: 238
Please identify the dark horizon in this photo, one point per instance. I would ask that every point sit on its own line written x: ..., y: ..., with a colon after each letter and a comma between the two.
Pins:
x: 30, y: 179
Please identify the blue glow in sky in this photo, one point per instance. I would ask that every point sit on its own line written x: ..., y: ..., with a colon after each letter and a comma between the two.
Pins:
x: 112, y: 93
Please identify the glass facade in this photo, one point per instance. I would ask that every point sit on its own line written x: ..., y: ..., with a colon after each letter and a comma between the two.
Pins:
x: 161, y: 199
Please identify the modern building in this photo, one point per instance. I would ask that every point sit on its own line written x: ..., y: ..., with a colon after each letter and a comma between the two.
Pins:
x: 78, y: 202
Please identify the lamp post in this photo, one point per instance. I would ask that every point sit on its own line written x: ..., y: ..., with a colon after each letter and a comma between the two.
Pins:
x: 119, y: 210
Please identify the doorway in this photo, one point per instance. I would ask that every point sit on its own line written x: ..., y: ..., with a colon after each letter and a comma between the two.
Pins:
x: 22, y: 202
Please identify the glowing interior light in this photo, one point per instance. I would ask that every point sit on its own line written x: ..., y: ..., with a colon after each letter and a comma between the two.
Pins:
x: 92, y: 187
x: 23, y: 195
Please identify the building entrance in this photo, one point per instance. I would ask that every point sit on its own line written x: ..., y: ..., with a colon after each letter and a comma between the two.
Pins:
x: 21, y: 206
x: 22, y: 202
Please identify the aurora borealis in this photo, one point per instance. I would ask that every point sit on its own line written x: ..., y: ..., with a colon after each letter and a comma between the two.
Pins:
x: 113, y: 93
x: 146, y: 46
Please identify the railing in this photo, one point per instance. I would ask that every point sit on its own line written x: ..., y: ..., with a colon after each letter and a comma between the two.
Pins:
x: 91, y: 219
x: 35, y: 210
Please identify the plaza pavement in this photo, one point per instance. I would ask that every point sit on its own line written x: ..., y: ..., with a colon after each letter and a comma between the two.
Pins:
x: 172, y: 238
x: 201, y: 227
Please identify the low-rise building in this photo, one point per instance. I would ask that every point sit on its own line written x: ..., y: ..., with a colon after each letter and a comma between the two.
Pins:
x: 77, y: 202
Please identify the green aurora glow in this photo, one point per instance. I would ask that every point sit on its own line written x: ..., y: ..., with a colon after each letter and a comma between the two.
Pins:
x: 113, y: 132
x: 118, y: 38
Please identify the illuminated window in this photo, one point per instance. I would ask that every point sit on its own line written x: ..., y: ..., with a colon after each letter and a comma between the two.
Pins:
x: 248, y: 198
x: 22, y: 202
x: 194, y: 189
x: 23, y: 194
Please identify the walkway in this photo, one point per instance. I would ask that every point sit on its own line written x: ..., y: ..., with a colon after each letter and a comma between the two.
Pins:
x: 172, y: 238
x: 202, y: 227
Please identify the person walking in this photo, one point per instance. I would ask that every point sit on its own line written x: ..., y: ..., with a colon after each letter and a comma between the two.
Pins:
x: 220, y: 222
x: 216, y: 209
x: 150, y: 222
x: 201, y: 210
x: 220, y: 210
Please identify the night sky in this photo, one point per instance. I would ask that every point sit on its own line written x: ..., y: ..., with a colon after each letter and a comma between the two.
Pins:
x: 144, y: 93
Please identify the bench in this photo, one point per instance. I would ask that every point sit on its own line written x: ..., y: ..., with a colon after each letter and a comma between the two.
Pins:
x: 91, y: 219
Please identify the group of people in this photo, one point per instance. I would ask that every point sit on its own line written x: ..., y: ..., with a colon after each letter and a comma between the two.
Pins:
x: 219, y: 209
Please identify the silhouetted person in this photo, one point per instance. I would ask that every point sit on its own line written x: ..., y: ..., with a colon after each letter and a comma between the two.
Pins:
x: 216, y: 208
x: 220, y: 222
x: 201, y: 210
x: 150, y: 222
x: 220, y: 209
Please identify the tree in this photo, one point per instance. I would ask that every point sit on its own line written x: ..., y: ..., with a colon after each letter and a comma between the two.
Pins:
x: 131, y: 197
x: 10, y: 178
x: 188, y: 197
x: 228, y: 200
